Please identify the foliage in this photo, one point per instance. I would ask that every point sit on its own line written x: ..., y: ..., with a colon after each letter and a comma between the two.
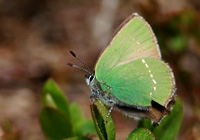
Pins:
x: 9, y: 131
x: 170, y: 125
x: 141, y: 134
x: 63, y: 121
x: 168, y: 129
x: 60, y: 120
x: 105, y: 128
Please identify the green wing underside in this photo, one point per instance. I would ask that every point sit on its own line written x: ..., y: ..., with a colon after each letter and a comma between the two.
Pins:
x: 122, y: 67
x: 135, y: 40
x: 139, y: 81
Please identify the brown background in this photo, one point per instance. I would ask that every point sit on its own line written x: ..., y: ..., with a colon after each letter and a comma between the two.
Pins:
x: 35, y: 37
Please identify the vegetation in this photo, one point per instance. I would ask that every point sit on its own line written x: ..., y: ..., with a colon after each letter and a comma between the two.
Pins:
x: 61, y: 120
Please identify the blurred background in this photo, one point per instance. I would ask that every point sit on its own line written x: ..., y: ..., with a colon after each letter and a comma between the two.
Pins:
x: 35, y: 37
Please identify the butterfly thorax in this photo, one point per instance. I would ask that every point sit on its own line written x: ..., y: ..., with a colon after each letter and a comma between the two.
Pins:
x: 97, y: 91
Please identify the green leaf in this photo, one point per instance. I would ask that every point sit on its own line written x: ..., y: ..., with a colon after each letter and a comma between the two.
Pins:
x: 54, y: 97
x: 55, y: 124
x: 141, y: 134
x: 146, y: 123
x: 76, y: 114
x: 81, y: 126
x: 84, y: 128
x: 177, y: 43
x: 105, y: 130
x: 78, y: 138
x: 48, y: 100
x: 170, y: 125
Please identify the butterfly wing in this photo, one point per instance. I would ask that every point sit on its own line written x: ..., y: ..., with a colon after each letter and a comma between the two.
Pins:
x: 134, y: 39
x: 121, y: 60
x: 140, y: 81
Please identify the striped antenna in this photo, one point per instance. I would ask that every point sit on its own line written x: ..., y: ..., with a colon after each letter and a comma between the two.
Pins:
x: 72, y: 65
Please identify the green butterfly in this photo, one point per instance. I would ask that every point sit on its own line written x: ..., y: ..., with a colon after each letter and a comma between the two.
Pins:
x: 130, y: 74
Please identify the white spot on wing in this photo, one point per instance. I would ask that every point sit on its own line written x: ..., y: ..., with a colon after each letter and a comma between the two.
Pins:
x: 151, y: 75
x: 150, y: 94
x: 143, y: 61
x: 138, y: 43
x: 154, y: 81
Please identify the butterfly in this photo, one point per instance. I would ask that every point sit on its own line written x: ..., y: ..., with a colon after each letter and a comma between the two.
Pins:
x: 130, y: 74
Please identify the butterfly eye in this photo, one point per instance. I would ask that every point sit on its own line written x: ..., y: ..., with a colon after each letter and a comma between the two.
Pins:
x: 91, y: 78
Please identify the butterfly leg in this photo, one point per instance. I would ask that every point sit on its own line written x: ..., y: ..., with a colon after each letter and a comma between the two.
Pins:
x: 94, y: 95
x: 112, y: 104
x: 92, y: 98
x: 110, y: 110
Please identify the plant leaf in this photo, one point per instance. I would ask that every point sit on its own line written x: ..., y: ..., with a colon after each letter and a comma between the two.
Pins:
x: 81, y: 126
x: 146, y: 123
x: 78, y: 138
x: 54, y: 97
x: 105, y: 130
x: 84, y: 128
x: 141, y: 134
x: 170, y: 125
x: 55, y: 124
x: 76, y: 114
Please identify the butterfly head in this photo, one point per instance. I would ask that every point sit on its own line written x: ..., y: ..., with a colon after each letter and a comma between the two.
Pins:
x: 90, y: 79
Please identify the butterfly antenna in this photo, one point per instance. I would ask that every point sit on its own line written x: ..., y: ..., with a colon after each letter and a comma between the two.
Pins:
x: 74, y: 55
x: 75, y: 66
